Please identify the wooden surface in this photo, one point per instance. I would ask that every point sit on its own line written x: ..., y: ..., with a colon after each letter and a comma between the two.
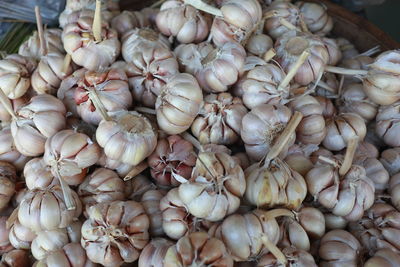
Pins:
x: 358, y: 30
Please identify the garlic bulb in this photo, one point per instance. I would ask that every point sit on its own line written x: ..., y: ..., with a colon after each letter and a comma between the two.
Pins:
x: 85, y: 51
x: 5, y: 243
x: 128, y: 137
x: 154, y: 253
x: 197, y: 249
x: 394, y: 189
x: 20, y: 236
x: 339, y: 248
x: 178, y: 104
x: 101, y: 186
x: 296, y: 257
x: 127, y: 20
x: 382, y: 82
x: 347, y: 48
x: 243, y: 234
x: 283, y: 10
x: 135, y: 188
x: 5, y: 116
x: 40, y: 118
x: 334, y: 222
x: 151, y: 204
x: 242, y: 159
x: 387, y: 122
x: 261, y: 86
x: 48, y: 241
x: 46, y: 79
x: 311, y: 129
x: 172, y: 159
x: 378, y: 229
x: 110, y: 87
x: 176, y: 221
x: 115, y: 232
x: 383, y: 257
x: 15, y: 73
x: 291, y: 45
x: 316, y: 17
x: 182, y: 21
x: 191, y: 56
x: 16, y: 258
x: 298, y: 158
x: 219, y: 120
x: 390, y: 158
x: 8, y: 177
x: 328, y: 109
x: 215, y: 188
x: 45, y: 209
x: 31, y: 47
x: 341, y: 128
x: 238, y: 21
x: 261, y: 126
x: 348, y: 196
x: 313, y: 221
x: 69, y: 154
x: 120, y: 168
x: 359, y: 62
x: 8, y: 152
x: 148, y: 69
x: 354, y: 100
x: 70, y: 255
x: 259, y: 44
x: 274, y: 185
x: 38, y: 175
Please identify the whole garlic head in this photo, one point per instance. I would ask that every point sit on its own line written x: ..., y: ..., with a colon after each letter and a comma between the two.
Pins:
x: 283, y: 9
x: 8, y: 151
x: 316, y: 17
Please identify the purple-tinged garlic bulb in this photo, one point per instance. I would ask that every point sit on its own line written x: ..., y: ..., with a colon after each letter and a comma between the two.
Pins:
x: 154, y: 253
x: 283, y: 10
x: 316, y: 17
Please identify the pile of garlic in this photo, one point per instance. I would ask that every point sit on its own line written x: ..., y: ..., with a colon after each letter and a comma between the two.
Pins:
x: 230, y: 133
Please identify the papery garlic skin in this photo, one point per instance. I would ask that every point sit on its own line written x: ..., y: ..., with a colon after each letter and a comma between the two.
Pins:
x: 31, y: 47
x: 110, y: 86
x: 118, y: 230
x: 316, y: 17
x: 331, y: 80
x: 182, y: 21
x: 291, y: 45
x: 220, y: 119
x: 341, y: 128
x: 261, y: 126
x: 128, y: 20
x: 261, y: 86
x: 239, y: 19
x: 354, y: 100
x: 215, y: 188
x: 196, y: 249
x: 42, y: 117
x: 178, y: 104
x: 45, y: 209
x: 151, y: 204
x: 173, y: 156
x: 102, y: 185
x: 296, y: 257
x: 339, y: 248
x: 48, y: 241
x: 84, y: 50
x: 285, y: 10
x: 154, y: 253
x: 15, y: 72
x: 311, y: 129
x: 382, y: 83
x: 15, y: 103
x: 388, y: 123
x: 70, y: 255
x: 8, y: 152
x: 128, y: 137
x: 383, y: 257
x: 348, y: 196
x: 38, y: 175
x: 46, y: 79
x: 274, y: 185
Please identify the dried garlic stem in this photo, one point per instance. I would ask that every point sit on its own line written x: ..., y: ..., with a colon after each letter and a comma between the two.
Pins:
x: 200, y: 5
x: 272, y: 214
x: 96, y: 27
x: 348, y: 158
x: 67, y: 62
x: 287, y: 24
x: 136, y: 170
x: 146, y: 110
x: 7, y: 104
x: 341, y: 83
x: 294, y: 70
x: 328, y: 160
x: 43, y: 44
x: 191, y: 139
x: 98, y: 104
x: 69, y: 201
x: 12, y: 218
x: 303, y: 25
x: 284, y: 137
x: 371, y: 51
x: 324, y: 85
x: 274, y: 250
x: 269, y: 55
x: 344, y: 71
